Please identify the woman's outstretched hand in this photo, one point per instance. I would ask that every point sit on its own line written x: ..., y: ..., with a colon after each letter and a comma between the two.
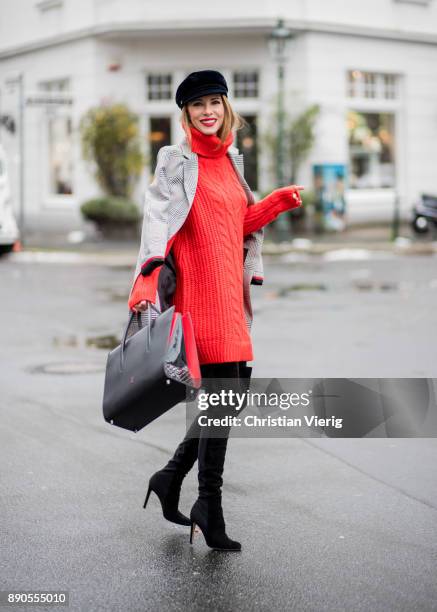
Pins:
x: 269, y: 208
x: 291, y: 192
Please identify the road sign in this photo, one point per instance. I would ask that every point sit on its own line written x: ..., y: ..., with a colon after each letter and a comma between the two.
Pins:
x: 48, y: 99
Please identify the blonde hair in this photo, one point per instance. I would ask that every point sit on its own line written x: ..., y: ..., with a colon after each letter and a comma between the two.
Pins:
x: 231, y: 121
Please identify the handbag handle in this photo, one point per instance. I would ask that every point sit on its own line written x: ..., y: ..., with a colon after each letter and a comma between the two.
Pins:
x: 150, y: 322
x: 133, y: 313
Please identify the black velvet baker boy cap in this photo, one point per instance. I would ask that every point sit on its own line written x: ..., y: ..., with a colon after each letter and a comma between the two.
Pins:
x: 201, y: 83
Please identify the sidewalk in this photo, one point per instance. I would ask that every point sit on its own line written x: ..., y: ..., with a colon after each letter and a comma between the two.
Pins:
x: 370, y: 238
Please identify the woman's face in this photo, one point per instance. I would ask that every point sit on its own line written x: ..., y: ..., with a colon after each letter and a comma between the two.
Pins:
x: 207, y: 113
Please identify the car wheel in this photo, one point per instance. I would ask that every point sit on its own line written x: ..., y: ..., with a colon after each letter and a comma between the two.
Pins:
x: 420, y: 225
x: 6, y: 248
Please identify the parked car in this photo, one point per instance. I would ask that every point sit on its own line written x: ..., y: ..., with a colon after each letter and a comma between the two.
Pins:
x: 9, y: 233
x: 425, y: 214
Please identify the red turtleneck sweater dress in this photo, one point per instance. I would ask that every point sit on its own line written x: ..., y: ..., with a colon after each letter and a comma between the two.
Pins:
x: 208, y: 254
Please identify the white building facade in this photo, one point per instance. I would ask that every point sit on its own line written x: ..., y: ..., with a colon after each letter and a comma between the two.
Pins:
x: 371, y: 67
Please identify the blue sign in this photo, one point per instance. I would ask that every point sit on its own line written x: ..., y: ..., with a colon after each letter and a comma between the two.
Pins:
x: 329, y: 188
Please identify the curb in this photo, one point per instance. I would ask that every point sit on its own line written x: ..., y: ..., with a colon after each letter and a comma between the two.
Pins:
x: 303, y: 247
x: 400, y: 247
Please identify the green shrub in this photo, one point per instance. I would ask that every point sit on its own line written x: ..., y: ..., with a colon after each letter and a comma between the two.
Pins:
x: 111, y: 143
x: 110, y: 209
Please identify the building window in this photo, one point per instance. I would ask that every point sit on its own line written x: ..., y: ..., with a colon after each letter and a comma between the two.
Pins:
x: 60, y: 156
x: 389, y: 86
x: 56, y: 85
x: 247, y: 143
x: 159, y: 136
x: 372, y: 85
x: 159, y: 86
x: 246, y: 84
x: 59, y: 140
x: 371, y: 150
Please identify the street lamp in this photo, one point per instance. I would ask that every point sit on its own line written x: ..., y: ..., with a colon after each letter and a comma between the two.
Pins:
x: 278, y: 41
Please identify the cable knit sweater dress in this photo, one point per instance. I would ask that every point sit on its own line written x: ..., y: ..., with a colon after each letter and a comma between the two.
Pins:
x: 208, y: 254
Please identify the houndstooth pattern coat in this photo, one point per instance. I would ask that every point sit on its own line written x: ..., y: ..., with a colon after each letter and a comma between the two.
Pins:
x: 168, y: 201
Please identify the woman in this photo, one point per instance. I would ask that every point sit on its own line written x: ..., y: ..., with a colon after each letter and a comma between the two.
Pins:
x: 200, y: 215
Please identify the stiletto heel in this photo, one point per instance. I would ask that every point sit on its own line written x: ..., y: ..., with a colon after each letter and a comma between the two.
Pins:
x: 193, y: 527
x: 149, y: 490
x: 167, y: 488
x: 207, y: 514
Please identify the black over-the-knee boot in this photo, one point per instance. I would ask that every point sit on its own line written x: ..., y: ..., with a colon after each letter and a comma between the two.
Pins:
x: 167, y: 482
x: 207, y: 511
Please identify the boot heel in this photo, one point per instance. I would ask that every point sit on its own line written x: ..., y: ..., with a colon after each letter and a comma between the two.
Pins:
x: 166, y: 487
x: 193, y: 526
x: 149, y: 490
x: 208, y: 516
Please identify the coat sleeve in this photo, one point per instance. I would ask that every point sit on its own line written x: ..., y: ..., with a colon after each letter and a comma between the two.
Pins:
x: 154, y: 234
x: 253, y: 242
x: 267, y: 210
x: 146, y: 285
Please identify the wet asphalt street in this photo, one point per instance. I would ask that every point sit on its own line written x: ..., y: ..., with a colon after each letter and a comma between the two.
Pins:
x: 325, y: 524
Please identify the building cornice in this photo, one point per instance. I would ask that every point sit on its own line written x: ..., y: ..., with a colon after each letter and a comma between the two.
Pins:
x: 219, y: 27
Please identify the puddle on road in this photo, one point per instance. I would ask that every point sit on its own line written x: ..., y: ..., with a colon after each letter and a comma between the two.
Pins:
x: 356, y: 285
x: 109, y: 341
x: 72, y: 341
x: 103, y: 341
x: 375, y: 286
x: 69, y: 367
x: 284, y: 291
x: 290, y: 289
x: 122, y: 268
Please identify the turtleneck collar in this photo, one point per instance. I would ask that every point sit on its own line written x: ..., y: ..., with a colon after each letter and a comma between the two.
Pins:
x: 206, y: 144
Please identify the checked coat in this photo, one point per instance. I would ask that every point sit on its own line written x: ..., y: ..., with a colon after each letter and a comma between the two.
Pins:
x: 168, y: 200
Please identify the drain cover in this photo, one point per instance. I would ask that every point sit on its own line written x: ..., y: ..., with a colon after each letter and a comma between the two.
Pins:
x: 69, y: 367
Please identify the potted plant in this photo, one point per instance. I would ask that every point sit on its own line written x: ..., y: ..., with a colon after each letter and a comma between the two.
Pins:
x: 110, y: 143
x: 115, y: 217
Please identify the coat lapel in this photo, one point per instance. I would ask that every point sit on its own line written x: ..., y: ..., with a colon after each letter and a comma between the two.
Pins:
x: 238, y: 163
x: 191, y: 172
x: 190, y: 177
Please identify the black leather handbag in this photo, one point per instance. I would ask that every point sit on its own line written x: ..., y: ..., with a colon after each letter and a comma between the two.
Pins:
x: 154, y: 368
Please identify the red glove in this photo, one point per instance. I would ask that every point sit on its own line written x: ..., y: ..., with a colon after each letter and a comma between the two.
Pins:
x: 288, y: 197
x: 267, y: 210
